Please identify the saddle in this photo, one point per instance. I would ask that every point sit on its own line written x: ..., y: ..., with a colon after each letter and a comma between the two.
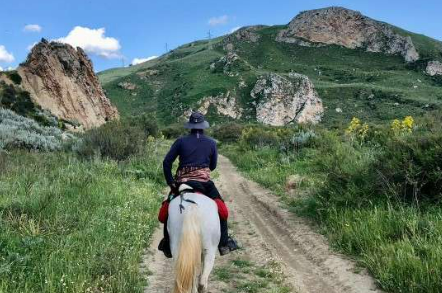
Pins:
x: 183, y: 189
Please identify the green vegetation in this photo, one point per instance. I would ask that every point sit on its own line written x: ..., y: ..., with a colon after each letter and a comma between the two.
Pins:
x: 72, y: 225
x: 374, y: 189
x: 13, y: 98
x: 249, y: 277
x: 373, y: 86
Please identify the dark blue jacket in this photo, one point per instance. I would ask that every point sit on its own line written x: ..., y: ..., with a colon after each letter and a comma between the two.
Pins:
x: 193, y: 150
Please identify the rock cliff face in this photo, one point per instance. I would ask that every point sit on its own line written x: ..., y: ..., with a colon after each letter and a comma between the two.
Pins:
x: 280, y: 100
x: 434, y: 68
x: 230, y: 65
x: 61, y: 80
x: 225, y: 104
x: 348, y: 28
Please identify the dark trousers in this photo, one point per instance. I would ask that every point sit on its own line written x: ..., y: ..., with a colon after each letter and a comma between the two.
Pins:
x: 209, y: 189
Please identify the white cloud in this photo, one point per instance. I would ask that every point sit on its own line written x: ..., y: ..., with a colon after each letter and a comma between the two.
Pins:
x: 219, y: 20
x: 136, y: 61
x: 32, y: 28
x: 5, y: 56
x: 235, y: 29
x: 93, y: 41
x: 7, y: 69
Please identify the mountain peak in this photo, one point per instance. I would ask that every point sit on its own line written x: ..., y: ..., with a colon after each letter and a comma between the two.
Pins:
x: 61, y: 80
x: 348, y: 28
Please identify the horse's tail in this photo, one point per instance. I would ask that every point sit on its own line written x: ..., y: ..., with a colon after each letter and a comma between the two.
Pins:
x: 188, y: 263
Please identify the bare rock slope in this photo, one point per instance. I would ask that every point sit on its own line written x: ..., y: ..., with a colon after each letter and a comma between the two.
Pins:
x: 61, y: 80
x: 348, y: 28
x: 281, y: 100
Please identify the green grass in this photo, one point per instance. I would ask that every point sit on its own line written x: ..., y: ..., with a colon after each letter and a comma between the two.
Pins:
x: 245, y: 276
x: 372, y: 85
x: 76, y: 226
x: 396, y: 238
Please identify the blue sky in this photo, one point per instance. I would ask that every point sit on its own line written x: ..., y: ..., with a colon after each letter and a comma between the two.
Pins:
x: 141, y: 28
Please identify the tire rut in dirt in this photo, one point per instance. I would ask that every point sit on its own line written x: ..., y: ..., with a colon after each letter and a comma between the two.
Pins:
x: 310, y: 263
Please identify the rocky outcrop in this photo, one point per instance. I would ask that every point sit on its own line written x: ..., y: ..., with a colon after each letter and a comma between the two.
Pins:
x: 348, y: 28
x: 127, y: 85
x: 61, y: 80
x: 145, y: 74
x: 230, y: 64
x: 225, y: 104
x: 434, y: 68
x: 246, y: 34
x: 281, y: 100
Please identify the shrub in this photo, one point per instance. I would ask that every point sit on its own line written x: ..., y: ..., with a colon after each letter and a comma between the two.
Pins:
x: 14, y: 76
x: 410, y: 168
x: 174, y: 131
x: 147, y: 123
x: 405, y: 167
x: 17, y: 132
x: 228, y: 133
x: 115, y: 140
x: 301, y: 139
x: 256, y: 137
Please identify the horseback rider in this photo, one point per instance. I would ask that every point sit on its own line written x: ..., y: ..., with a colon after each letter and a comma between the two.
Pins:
x: 198, y: 156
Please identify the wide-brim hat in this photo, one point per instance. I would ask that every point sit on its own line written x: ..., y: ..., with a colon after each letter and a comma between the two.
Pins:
x: 197, y: 121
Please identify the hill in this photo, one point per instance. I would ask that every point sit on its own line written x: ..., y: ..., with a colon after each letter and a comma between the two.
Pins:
x: 358, y: 66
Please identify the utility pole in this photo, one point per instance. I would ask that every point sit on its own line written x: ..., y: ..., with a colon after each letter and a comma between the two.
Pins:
x: 209, y: 36
x: 167, y: 48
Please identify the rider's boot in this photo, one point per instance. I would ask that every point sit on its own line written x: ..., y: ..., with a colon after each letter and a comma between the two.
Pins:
x: 227, y: 243
x: 164, y: 245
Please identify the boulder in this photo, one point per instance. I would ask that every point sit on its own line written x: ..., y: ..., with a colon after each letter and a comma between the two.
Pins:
x: 434, y: 68
x: 293, y: 182
x: 127, y: 86
x: 282, y: 100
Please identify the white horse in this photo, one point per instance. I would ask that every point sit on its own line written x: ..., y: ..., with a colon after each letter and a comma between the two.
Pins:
x: 194, y: 230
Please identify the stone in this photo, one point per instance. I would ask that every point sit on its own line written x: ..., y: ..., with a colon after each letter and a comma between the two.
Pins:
x: 245, y: 34
x: 62, y: 81
x: 230, y: 64
x: 347, y: 28
x: 148, y: 73
x: 127, y: 86
x: 434, y: 68
x: 225, y: 104
x: 293, y: 182
x: 282, y: 100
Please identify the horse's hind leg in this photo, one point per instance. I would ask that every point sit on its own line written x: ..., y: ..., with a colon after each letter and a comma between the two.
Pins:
x: 209, y: 261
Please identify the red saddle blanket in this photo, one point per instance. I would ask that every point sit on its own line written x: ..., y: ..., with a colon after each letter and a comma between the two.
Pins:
x: 223, y: 211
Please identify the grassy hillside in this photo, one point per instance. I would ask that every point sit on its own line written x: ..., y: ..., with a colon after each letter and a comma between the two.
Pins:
x: 363, y: 84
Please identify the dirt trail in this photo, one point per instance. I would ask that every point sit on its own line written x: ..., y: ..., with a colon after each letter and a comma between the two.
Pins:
x: 269, y: 233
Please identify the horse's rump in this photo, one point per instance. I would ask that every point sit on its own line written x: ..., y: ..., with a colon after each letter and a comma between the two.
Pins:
x: 193, y: 231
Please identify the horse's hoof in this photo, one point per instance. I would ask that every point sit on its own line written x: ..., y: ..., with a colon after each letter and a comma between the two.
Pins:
x: 201, y: 289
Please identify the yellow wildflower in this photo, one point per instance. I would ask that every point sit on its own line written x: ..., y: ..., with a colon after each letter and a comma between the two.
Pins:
x: 407, y: 124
